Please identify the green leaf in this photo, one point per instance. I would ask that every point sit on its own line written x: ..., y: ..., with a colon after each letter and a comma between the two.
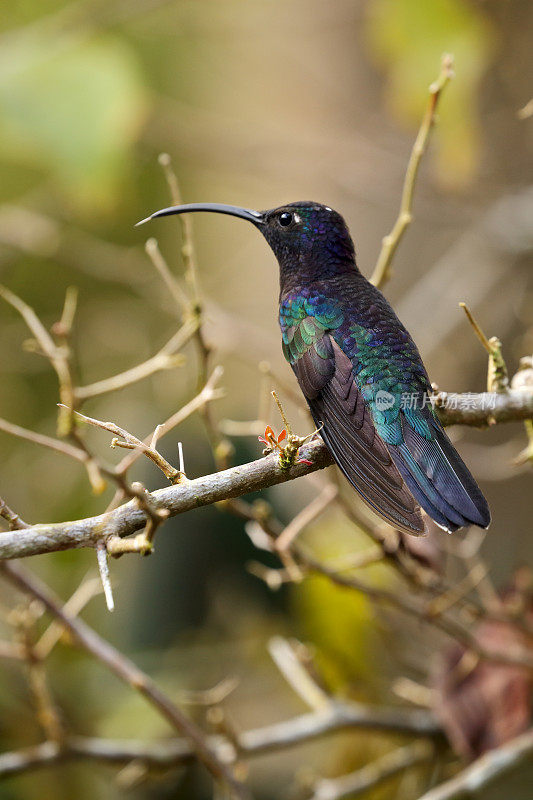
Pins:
x: 407, y: 38
x: 73, y: 108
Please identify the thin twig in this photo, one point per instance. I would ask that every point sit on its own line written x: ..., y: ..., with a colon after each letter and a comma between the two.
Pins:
x: 128, y: 518
x: 375, y: 773
x: 308, y: 515
x: 493, y: 766
x: 58, y: 356
x: 497, y: 375
x: 128, y: 440
x: 85, y: 592
x: 298, y: 678
x: 156, y: 257
x: 188, y: 251
x: 382, y: 271
x: 126, y: 671
x: 168, y: 753
x: 207, y: 394
x: 166, y: 358
x: 15, y: 522
x: 93, y: 469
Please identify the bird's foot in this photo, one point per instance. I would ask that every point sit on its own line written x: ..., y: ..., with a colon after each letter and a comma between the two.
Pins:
x: 288, y: 451
x: 286, y: 445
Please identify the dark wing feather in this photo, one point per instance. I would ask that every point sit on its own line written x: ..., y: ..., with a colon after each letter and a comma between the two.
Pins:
x: 325, y: 375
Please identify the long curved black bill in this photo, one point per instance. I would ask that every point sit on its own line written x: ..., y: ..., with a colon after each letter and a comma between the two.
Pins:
x: 235, y: 211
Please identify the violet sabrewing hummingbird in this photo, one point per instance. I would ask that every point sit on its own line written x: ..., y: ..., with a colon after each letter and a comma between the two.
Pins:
x: 360, y: 372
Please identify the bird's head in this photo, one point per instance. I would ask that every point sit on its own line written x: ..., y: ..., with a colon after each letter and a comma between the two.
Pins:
x: 308, y: 239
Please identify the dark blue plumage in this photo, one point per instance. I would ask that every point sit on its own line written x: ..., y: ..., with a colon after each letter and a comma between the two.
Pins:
x: 361, y: 373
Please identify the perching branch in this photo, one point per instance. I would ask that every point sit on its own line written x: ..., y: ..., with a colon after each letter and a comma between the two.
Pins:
x: 475, y: 409
x: 128, y: 519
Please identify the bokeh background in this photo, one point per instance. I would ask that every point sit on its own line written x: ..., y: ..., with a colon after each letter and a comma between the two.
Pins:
x: 258, y: 103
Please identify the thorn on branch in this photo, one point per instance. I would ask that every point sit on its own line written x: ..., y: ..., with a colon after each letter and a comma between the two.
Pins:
x: 14, y: 521
x: 124, y: 438
x: 497, y: 375
x: 103, y: 567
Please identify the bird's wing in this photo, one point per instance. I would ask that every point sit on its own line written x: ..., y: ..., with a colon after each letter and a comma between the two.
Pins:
x: 396, y: 389
x: 325, y: 374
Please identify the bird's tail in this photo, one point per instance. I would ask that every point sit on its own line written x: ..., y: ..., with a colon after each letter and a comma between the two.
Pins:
x: 438, y: 478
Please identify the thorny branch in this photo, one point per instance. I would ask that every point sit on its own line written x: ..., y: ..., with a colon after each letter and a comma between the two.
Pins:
x: 225, y: 485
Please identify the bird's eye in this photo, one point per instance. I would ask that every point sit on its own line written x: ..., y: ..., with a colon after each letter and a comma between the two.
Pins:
x: 286, y: 219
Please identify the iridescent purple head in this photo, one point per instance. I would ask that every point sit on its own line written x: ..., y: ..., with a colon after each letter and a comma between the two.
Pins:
x: 309, y: 240
x: 308, y: 235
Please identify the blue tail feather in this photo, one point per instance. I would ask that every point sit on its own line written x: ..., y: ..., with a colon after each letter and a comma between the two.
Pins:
x: 438, y: 478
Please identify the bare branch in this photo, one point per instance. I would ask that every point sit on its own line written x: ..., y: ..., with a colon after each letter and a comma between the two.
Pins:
x: 177, y: 499
x: 486, y: 408
x: 166, y: 358
x: 127, y: 672
x: 227, y: 484
x: 375, y: 773
x: 382, y: 271
x: 270, y: 738
x: 419, y: 608
x: 155, y: 256
x: 188, y: 251
x: 131, y: 442
x: 93, y: 469
x: 495, y: 765
x: 308, y: 515
x: 58, y: 356
x: 296, y: 675
x: 206, y: 395
x: 13, y: 520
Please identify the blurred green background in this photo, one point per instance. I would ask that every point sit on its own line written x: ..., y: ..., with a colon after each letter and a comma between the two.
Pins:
x: 258, y: 103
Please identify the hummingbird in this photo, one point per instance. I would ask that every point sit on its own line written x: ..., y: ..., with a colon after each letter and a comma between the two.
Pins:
x: 360, y: 372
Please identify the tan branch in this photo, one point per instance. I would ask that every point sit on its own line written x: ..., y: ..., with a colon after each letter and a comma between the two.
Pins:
x: 231, y: 483
x: 172, y: 284
x: 270, y: 738
x: 382, y: 271
x: 177, y: 499
x: 15, y: 522
x: 166, y: 358
x: 128, y: 440
x: 188, y: 250
x: 127, y: 672
x: 486, y: 408
x: 493, y: 766
x: 93, y: 469
x: 375, y: 773
x: 414, y: 606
